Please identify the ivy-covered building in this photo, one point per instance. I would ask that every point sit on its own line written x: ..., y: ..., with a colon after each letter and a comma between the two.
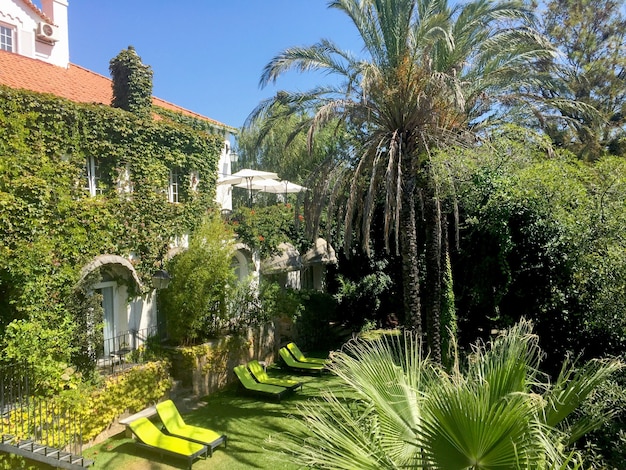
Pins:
x: 93, y: 197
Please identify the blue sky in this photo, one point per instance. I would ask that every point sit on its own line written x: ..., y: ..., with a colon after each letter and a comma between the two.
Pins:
x: 207, y: 55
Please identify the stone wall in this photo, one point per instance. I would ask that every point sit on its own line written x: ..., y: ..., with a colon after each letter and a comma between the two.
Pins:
x: 210, y: 367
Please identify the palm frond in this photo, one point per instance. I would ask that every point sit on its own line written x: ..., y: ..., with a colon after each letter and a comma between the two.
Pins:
x: 324, y: 56
x: 571, y: 388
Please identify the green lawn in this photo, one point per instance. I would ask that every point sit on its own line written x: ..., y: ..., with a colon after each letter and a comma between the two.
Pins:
x: 249, y: 421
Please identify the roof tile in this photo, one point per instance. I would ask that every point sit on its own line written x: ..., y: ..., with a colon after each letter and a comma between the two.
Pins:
x: 40, y: 13
x: 75, y: 83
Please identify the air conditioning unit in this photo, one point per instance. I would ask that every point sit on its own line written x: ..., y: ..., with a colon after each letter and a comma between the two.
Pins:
x: 47, y: 32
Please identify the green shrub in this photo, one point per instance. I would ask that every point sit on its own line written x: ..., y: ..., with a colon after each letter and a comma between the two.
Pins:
x: 315, y: 320
x: 94, y: 408
x: 277, y: 301
x: 606, y: 446
x: 195, y: 304
x: 132, y: 391
x: 360, y: 300
x: 14, y: 462
x: 264, y: 228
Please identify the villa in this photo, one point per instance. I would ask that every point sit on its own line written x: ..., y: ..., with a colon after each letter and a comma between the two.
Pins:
x: 34, y: 56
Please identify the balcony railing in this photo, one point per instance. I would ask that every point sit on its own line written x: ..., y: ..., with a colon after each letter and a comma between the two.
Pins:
x: 125, y: 350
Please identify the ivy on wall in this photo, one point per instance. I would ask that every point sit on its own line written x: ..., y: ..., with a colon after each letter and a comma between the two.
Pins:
x: 190, y: 121
x: 132, y: 83
x: 50, y: 226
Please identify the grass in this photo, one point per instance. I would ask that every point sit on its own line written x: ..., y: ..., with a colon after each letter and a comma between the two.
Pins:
x: 251, y: 423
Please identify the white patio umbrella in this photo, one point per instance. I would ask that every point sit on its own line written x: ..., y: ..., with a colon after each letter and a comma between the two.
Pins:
x: 282, y: 187
x: 276, y: 187
x: 245, y: 178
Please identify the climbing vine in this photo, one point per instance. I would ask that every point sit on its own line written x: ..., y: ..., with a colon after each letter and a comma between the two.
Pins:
x: 50, y: 225
x: 264, y: 228
x: 132, y: 83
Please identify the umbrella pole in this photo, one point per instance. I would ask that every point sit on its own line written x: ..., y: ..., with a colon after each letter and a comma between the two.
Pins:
x: 249, y: 181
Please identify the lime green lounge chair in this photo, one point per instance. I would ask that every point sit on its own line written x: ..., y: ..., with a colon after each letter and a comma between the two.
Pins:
x: 151, y: 437
x: 291, y: 362
x: 297, y: 354
x: 261, y: 376
x: 251, y: 385
x: 175, y: 426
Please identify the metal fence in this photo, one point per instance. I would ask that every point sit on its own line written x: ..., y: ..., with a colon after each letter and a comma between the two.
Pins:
x: 46, y: 427
x: 43, y: 428
x: 126, y: 350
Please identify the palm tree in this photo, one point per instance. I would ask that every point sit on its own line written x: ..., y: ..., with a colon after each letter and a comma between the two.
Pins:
x: 431, y: 75
x: 401, y: 410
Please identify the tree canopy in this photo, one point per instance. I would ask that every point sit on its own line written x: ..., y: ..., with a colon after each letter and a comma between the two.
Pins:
x: 431, y: 74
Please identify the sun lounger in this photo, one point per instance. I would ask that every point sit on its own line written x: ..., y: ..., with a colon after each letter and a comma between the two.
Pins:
x: 176, y: 426
x: 261, y: 376
x: 149, y: 436
x: 297, y: 354
x: 291, y: 362
x: 251, y: 385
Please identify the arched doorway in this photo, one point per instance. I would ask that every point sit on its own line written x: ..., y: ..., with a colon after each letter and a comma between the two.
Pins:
x: 128, y: 318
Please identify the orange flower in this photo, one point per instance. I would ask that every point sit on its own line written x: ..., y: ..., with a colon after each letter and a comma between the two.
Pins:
x: 301, y: 218
x: 261, y: 238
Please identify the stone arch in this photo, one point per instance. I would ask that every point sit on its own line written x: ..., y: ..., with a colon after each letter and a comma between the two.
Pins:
x: 115, y: 264
x: 243, y: 262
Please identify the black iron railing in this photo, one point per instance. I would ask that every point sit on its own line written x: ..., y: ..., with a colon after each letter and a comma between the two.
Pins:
x: 126, y: 349
x: 43, y: 428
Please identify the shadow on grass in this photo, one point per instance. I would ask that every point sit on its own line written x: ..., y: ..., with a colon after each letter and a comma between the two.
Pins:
x: 122, y: 452
x: 251, y: 424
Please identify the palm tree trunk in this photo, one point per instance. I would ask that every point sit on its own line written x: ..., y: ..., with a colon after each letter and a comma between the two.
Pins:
x: 434, y: 275
x: 410, y: 254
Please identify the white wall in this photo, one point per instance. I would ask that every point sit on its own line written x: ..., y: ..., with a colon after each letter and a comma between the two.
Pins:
x: 224, y: 193
x: 25, y: 21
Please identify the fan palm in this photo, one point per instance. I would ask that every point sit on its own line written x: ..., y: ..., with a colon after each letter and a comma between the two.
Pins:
x: 401, y: 410
x: 429, y: 74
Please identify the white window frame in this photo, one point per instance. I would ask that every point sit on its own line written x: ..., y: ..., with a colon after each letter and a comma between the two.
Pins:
x: 93, y: 176
x: 124, y: 183
x: 8, y: 35
x: 194, y: 180
x: 173, y: 190
x: 181, y: 241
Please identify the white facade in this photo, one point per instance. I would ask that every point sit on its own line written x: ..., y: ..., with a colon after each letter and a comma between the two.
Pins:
x: 42, y: 34
x: 43, y: 37
x: 224, y: 193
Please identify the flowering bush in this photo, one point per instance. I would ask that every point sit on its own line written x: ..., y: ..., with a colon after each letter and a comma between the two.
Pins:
x: 264, y: 228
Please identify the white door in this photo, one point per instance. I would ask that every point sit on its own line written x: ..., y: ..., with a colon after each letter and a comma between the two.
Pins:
x: 108, y: 307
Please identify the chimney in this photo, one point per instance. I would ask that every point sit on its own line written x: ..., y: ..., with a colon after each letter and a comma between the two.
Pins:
x: 56, y: 10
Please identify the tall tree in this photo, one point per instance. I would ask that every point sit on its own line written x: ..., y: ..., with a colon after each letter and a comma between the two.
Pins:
x: 430, y: 74
x: 591, y: 34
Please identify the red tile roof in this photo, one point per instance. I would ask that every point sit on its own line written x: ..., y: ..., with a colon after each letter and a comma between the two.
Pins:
x: 74, y: 83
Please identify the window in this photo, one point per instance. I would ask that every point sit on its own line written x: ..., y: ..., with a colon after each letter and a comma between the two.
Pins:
x: 6, y: 38
x: 194, y: 180
x: 173, y: 192
x: 124, y: 183
x: 94, y: 177
x: 181, y: 241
